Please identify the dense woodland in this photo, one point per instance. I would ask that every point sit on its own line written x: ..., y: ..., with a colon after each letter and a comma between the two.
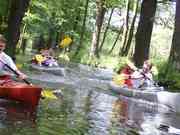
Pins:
x: 103, y: 32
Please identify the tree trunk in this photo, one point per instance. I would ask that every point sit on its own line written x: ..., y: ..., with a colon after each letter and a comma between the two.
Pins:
x: 114, y: 44
x: 51, y: 37
x: 131, y: 31
x: 144, y: 31
x: 83, y: 28
x: 96, y: 34
x: 17, y: 11
x: 40, y: 43
x: 174, y: 58
x: 24, y: 45
x: 126, y: 27
x: 105, y: 33
x: 22, y: 36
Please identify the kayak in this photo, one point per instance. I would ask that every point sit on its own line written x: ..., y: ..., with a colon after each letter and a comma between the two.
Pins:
x: 55, y: 69
x: 149, y: 93
x: 21, y: 92
x: 152, y: 94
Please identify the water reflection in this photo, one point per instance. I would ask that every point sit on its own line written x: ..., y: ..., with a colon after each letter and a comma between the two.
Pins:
x: 85, y: 110
x: 99, y: 115
x: 143, y: 119
x: 16, y: 118
x: 63, y: 116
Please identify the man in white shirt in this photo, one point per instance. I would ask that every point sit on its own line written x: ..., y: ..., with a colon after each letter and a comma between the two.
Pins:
x: 6, y: 60
x: 143, y: 77
x: 146, y: 72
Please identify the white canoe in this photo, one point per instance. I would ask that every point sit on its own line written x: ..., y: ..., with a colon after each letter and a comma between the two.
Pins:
x: 152, y: 94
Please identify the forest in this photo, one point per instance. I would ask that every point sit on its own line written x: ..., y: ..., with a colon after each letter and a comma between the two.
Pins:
x: 103, y: 33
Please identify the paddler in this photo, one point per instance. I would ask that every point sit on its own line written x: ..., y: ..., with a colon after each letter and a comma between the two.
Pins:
x: 127, y: 72
x: 6, y: 61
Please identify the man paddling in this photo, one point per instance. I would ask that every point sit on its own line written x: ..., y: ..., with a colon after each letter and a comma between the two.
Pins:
x: 7, y: 62
x: 131, y: 77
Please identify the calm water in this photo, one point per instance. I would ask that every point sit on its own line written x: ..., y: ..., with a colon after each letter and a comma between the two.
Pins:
x: 86, y: 108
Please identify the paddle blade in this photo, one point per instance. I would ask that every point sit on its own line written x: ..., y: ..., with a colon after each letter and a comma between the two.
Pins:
x: 65, y: 42
x: 48, y: 94
x: 118, y: 79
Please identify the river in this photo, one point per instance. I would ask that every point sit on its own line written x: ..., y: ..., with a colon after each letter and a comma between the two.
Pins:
x: 85, y: 106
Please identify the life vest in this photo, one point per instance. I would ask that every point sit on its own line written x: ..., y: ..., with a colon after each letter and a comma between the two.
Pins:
x: 39, y: 58
x: 119, y: 79
x: 127, y: 81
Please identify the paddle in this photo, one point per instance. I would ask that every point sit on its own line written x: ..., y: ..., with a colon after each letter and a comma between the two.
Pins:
x: 148, y: 78
x: 15, y: 72
x: 47, y: 94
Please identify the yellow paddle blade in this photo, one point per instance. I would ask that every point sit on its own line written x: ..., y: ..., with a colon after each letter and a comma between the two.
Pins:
x: 65, y: 42
x: 118, y: 79
x: 48, y: 94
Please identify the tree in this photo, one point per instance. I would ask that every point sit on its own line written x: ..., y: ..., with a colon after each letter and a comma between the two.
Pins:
x: 126, y: 27
x: 54, y: 19
x: 125, y: 49
x: 144, y: 31
x: 116, y: 39
x: 17, y: 11
x: 174, y: 58
x: 4, y: 5
x: 100, y: 11
x: 106, y: 29
x: 83, y: 28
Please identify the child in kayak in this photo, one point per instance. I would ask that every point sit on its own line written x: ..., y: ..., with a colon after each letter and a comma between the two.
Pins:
x: 126, y: 73
x: 7, y: 60
x: 45, y: 58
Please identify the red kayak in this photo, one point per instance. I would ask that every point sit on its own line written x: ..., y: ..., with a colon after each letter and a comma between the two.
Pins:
x: 21, y: 92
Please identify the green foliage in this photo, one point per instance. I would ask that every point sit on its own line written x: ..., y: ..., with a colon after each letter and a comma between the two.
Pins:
x: 114, y: 3
x: 160, y: 42
x: 174, y: 77
x: 110, y: 38
x: 121, y: 64
x: 167, y: 74
x: 51, y: 17
x: 54, y: 15
x: 82, y: 56
x: 4, y: 7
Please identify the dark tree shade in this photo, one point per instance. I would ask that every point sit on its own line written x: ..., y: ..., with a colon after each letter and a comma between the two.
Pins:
x: 17, y: 11
x: 144, y: 31
x: 174, y: 57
